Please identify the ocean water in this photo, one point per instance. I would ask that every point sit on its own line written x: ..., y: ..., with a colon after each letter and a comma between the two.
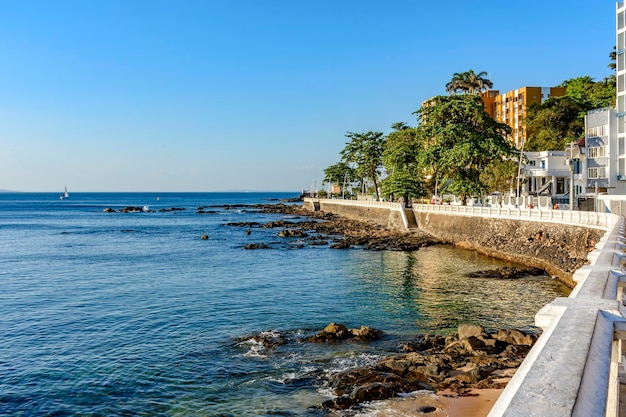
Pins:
x: 133, y: 314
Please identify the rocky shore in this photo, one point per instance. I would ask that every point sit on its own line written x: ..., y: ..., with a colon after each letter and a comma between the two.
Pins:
x: 319, y: 228
x: 450, y: 366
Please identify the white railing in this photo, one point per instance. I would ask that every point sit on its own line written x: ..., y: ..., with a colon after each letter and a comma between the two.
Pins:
x: 583, y: 218
x: 591, y: 219
x: 360, y: 203
x: 399, y: 207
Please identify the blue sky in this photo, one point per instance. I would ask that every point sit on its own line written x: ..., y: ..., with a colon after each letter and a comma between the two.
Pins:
x: 237, y: 95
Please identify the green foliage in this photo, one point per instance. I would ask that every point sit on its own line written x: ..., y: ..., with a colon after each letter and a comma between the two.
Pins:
x: 402, y: 148
x: 500, y: 176
x: 460, y: 140
x: 340, y: 173
x: 402, y: 183
x: 554, y: 124
x: 589, y: 94
x: 364, y: 151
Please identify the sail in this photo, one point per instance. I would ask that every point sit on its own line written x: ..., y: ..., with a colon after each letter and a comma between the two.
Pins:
x: 66, y: 193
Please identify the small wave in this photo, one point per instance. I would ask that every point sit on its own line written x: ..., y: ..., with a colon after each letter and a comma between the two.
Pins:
x: 405, y: 405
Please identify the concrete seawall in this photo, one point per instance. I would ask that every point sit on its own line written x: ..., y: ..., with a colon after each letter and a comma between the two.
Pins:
x: 380, y: 214
x: 558, y: 249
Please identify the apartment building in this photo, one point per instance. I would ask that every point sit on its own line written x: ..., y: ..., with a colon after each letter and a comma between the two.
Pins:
x: 621, y: 89
x: 510, y: 108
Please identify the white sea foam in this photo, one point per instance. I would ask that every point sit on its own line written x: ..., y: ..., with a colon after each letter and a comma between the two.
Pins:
x: 405, y: 405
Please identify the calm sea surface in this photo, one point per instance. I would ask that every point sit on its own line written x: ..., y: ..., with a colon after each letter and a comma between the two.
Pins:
x: 132, y: 314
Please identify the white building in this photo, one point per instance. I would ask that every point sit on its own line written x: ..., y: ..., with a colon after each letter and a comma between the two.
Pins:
x: 547, y: 174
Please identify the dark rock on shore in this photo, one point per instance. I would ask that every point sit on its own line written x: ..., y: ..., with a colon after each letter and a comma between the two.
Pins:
x: 292, y: 233
x: 473, y: 358
x: 257, y: 246
x: 336, y: 332
x: 507, y: 272
x: 343, y: 232
x: 243, y: 224
x: 172, y: 209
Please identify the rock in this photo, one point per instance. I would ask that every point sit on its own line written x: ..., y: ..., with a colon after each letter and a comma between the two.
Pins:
x: 256, y: 246
x: 425, y: 409
x: 342, y: 244
x: 291, y: 233
x: 331, y: 333
x: 366, y: 334
x: 515, y: 337
x: 204, y: 237
x: 507, y: 272
x: 131, y: 209
x: 270, y: 339
x: 362, y: 384
x: 336, y: 331
x: 468, y: 330
x: 243, y: 224
x: 108, y: 210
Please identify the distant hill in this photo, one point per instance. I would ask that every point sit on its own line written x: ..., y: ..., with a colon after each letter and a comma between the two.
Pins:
x: 8, y: 191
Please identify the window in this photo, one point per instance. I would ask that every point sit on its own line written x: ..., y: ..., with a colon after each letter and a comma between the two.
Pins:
x: 579, y: 190
x: 596, y: 152
x: 597, y: 131
x: 598, y: 172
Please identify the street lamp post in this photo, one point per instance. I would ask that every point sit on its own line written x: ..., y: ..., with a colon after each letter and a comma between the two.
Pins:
x: 519, y: 170
x: 571, y: 149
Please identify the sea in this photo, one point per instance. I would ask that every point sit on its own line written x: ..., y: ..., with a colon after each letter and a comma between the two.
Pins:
x: 134, y: 314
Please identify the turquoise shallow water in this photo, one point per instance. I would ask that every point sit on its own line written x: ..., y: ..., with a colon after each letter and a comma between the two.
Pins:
x: 107, y: 314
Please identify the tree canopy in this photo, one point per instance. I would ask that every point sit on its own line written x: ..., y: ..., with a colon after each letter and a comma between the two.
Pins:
x: 340, y: 173
x: 400, y: 158
x: 554, y: 124
x: 461, y: 139
x: 469, y: 82
x: 364, y: 151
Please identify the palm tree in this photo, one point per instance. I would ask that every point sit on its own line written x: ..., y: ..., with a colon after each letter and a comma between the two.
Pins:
x: 613, y: 58
x: 469, y: 82
x: 477, y: 83
x: 457, y: 83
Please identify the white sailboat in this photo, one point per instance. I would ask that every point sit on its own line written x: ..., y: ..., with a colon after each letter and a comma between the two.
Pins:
x: 65, y: 194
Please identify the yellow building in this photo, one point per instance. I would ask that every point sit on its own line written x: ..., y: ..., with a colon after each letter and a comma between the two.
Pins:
x: 489, y: 99
x: 510, y: 108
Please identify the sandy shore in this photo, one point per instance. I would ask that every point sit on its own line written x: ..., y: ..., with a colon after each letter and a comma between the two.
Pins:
x: 477, y: 403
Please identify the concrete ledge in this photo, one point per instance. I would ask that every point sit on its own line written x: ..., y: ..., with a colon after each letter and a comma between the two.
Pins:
x: 573, y: 368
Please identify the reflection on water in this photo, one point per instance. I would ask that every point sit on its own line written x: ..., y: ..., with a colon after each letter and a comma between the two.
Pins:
x: 430, y: 285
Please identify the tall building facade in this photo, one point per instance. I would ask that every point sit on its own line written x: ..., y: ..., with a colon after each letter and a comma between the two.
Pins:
x: 621, y: 90
x: 510, y: 108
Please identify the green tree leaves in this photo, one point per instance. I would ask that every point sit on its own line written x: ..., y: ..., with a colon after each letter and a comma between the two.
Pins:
x: 560, y: 120
x: 340, y: 173
x: 461, y: 139
x: 365, y: 151
x: 554, y: 124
